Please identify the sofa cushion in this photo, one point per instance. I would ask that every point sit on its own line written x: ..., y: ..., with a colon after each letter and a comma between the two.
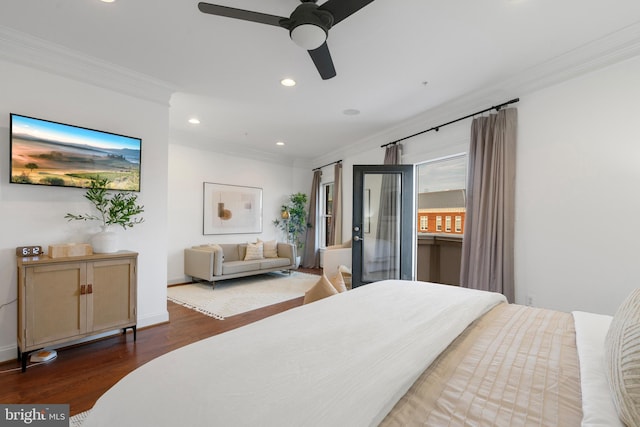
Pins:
x: 270, y: 248
x: 230, y: 251
x: 208, y: 247
x: 233, y: 267
x: 274, y: 263
x: 254, y: 251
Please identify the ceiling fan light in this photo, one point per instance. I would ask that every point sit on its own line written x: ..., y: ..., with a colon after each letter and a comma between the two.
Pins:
x: 308, y: 36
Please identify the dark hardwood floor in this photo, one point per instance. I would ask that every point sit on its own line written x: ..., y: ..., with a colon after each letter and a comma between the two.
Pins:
x: 81, y: 374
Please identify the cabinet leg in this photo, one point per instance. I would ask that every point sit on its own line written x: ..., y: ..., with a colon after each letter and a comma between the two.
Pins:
x: 24, y: 361
x: 133, y: 328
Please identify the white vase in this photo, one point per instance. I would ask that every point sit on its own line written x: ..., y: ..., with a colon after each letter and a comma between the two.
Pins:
x: 105, y: 241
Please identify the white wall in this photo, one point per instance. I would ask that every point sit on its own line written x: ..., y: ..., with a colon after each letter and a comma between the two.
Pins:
x: 34, y: 215
x: 190, y: 167
x: 577, y: 198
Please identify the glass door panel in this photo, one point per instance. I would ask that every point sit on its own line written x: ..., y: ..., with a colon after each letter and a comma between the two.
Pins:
x: 382, y: 223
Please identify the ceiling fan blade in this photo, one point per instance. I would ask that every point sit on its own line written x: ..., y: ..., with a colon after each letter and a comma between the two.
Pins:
x: 341, y: 9
x: 245, y: 15
x: 322, y: 59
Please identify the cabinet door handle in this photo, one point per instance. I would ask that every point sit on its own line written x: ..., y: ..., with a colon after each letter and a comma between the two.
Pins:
x: 90, y: 289
x: 82, y: 290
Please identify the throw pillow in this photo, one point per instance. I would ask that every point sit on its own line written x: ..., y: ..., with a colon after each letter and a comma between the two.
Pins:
x: 622, y: 359
x: 254, y: 251
x: 338, y: 282
x: 270, y: 248
x: 322, y: 289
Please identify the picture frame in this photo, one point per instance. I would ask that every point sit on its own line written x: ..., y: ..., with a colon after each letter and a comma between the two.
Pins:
x: 231, y: 209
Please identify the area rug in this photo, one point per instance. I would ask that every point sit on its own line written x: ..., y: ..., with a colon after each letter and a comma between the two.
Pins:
x: 77, y: 420
x: 235, y: 296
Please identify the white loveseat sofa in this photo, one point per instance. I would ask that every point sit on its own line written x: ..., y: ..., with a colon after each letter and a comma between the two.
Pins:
x: 229, y: 260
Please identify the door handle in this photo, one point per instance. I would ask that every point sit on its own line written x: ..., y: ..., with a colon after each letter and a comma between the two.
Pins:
x: 356, y: 237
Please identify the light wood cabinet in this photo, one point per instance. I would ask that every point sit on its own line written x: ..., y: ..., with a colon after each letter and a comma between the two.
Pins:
x: 64, y: 299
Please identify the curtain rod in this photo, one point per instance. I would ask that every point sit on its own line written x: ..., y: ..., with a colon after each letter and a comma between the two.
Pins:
x: 437, y: 128
x: 328, y: 164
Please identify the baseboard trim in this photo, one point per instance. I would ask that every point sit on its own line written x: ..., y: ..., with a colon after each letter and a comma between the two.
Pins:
x: 9, y: 352
x: 153, y: 319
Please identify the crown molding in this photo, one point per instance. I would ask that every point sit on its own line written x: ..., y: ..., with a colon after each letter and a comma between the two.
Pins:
x: 24, y: 49
x: 205, y: 143
x: 611, y: 49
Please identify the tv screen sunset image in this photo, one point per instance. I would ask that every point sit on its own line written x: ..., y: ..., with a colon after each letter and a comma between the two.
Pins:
x: 50, y: 153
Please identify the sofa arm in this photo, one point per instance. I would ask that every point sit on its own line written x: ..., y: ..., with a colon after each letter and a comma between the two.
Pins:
x: 203, y: 262
x: 287, y: 250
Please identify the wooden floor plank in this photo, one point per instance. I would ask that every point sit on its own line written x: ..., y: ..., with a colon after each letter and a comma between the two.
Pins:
x: 81, y: 374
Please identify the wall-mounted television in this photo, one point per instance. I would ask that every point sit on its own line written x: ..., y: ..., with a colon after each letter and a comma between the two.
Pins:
x: 56, y: 154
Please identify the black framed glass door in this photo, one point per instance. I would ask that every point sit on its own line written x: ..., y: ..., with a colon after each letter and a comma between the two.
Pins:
x: 383, y: 223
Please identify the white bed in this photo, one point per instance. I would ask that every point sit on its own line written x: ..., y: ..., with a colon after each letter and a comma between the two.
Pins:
x: 346, y: 360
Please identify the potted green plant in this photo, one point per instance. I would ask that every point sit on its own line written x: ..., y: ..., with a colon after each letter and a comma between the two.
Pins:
x: 119, y: 208
x: 293, y: 219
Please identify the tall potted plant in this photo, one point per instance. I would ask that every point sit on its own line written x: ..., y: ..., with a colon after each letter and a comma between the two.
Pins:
x: 118, y: 208
x: 293, y: 220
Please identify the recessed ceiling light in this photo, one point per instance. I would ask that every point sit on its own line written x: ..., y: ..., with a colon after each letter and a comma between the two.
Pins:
x: 280, y: 143
x: 351, y: 112
x: 194, y: 121
x: 288, y: 82
x: 107, y: 1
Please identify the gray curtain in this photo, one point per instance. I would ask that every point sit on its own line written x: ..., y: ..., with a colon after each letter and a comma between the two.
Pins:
x: 487, y: 248
x: 311, y: 258
x: 392, y: 154
x: 387, y: 246
x: 335, y: 233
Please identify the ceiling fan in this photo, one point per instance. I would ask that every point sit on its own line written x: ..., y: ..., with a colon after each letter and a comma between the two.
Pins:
x: 308, y: 25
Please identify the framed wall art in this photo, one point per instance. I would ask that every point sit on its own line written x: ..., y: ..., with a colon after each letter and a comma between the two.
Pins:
x: 232, y: 209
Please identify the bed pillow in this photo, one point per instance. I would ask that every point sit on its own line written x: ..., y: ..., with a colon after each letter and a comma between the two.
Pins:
x: 254, y: 251
x: 270, y: 248
x: 622, y: 359
x: 322, y: 289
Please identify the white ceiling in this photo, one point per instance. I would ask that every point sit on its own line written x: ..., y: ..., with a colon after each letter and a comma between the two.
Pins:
x: 226, y: 72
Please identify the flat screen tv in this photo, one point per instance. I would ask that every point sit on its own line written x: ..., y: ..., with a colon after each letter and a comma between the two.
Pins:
x: 56, y: 154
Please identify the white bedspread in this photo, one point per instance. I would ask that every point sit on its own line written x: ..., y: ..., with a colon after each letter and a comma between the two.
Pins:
x: 344, y: 360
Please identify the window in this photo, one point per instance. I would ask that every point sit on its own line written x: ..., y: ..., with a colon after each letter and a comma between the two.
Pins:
x: 326, y: 216
x: 458, y: 224
x: 441, y: 193
x: 424, y: 223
